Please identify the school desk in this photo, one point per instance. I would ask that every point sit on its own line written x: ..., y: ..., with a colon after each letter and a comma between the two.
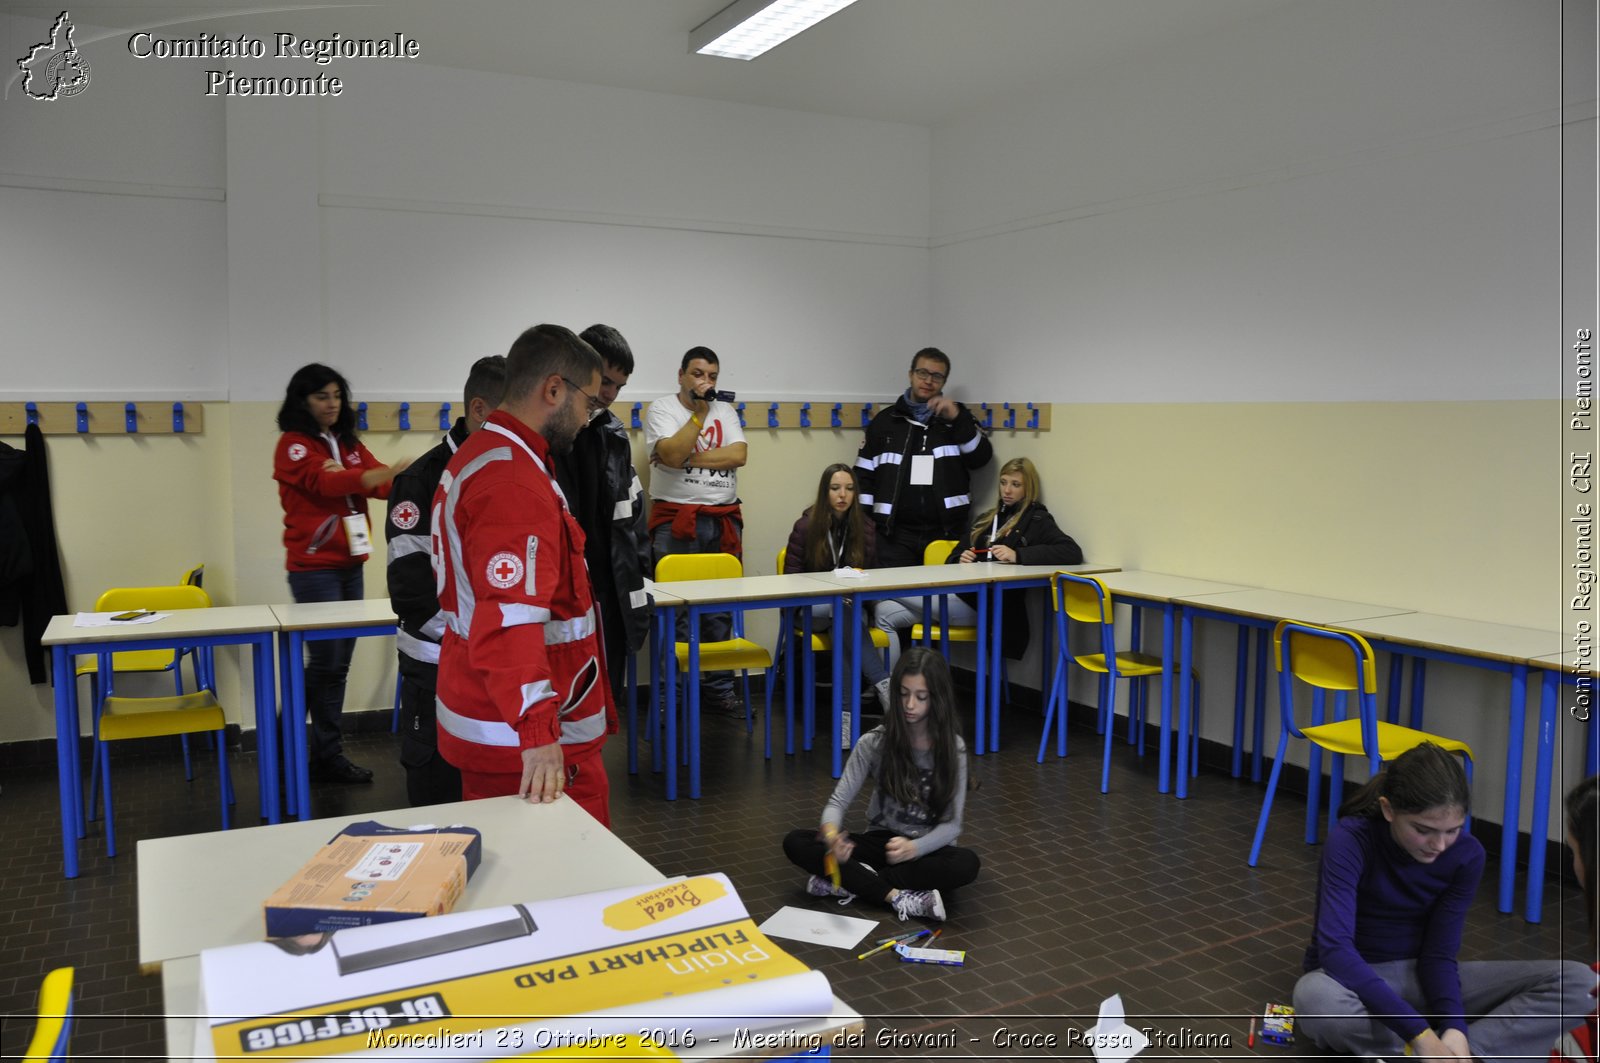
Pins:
x: 249, y: 625
x: 1159, y: 590
x: 1258, y: 608
x: 203, y: 891
x: 695, y: 598
x: 311, y: 622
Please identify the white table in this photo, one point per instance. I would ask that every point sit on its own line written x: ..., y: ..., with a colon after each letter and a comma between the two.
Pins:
x: 192, y: 895
x: 310, y: 622
x: 250, y: 625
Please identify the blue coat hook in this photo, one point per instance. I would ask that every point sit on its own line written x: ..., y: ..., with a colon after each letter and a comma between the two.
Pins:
x: 405, y: 417
x: 1011, y: 415
x: 444, y: 417
x: 83, y: 417
x: 361, y: 417
x: 636, y: 407
x: 740, y: 408
x: 838, y: 415
x: 772, y: 415
x: 177, y: 418
x: 1033, y: 417
x: 805, y: 415
x: 866, y: 414
x: 32, y: 409
x: 130, y: 416
x: 988, y: 415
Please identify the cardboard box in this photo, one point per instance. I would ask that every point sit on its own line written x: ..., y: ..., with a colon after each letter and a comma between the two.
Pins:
x: 369, y: 873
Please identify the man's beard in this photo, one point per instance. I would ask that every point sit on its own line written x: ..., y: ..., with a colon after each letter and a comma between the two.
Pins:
x: 562, y: 429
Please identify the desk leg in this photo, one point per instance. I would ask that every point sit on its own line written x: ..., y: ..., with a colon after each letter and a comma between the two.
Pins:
x: 1261, y: 705
x: 1513, y: 777
x: 980, y: 695
x: 808, y: 679
x: 692, y: 714
x: 295, y: 747
x: 995, y: 637
x: 1539, y: 817
x: 1419, y: 681
x: 1241, y: 676
x: 839, y: 634
x: 669, y: 715
x: 1164, y: 739
x: 1185, y: 705
x: 67, y: 770
x: 1397, y: 677
x: 266, y: 727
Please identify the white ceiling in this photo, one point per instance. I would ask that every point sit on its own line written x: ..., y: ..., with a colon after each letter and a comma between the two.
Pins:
x: 918, y: 61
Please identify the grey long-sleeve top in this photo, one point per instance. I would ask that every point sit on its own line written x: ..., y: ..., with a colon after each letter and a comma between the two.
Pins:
x: 913, y: 821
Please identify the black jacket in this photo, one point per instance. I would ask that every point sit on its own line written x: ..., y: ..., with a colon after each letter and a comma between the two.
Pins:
x: 31, y: 587
x: 886, y: 464
x: 409, y: 530
x: 1038, y: 540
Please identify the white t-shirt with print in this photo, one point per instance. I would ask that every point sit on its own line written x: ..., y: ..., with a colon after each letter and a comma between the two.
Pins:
x: 701, y: 487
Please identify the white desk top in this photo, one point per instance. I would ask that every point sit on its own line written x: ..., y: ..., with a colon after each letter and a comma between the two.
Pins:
x: 199, y: 891
x: 743, y: 589
x: 1279, y: 605
x: 1566, y: 661
x: 182, y: 623
x: 1162, y: 586
x: 314, y: 615
x: 1477, y: 638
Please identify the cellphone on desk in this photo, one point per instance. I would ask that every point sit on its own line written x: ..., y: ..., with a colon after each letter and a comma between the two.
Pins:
x: 133, y: 614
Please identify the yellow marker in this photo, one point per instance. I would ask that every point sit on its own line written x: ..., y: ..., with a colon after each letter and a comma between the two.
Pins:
x: 877, y: 949
x: 831, y: 866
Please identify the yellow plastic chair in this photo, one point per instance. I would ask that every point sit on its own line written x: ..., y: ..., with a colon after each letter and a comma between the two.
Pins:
x: 123, y: 718
x: 821, y: 642
x: 737, y: 654
x: 1327, y: 659
x: 54, y: 1029
x: 140, y: 661
x: 935, y: 553
x: 1085, y: 600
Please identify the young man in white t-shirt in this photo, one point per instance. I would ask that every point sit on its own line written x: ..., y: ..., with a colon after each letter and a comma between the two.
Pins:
x: 696, y: 447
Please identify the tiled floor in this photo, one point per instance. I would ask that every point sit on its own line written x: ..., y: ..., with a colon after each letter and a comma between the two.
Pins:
x: 1082, y: 895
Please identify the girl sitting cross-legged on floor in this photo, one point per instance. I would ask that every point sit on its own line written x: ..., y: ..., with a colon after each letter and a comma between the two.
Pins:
x: 907, y: 855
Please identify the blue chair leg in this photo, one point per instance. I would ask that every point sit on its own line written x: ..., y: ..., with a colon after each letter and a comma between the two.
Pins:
x: 1314, y: 772
x: 1108, y: 691
x: 1194, y: 725
x: 394, y: 720
x: 224, y: 778
x: 103, y: 754
x: 1266, y: 803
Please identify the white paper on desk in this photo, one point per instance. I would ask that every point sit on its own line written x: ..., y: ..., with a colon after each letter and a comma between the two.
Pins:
x: 846, y: 572
x: 104, y: 619
x: 1112, y: 1039
x: 819, y: 928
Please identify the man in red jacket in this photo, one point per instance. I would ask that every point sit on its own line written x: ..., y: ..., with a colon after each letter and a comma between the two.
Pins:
x: 523, y: 702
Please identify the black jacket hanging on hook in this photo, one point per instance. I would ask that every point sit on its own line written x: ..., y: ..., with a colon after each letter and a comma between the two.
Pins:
x: 31, y: 587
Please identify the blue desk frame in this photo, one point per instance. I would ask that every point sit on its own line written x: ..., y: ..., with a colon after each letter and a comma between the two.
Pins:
x: 292, y: 669
x: 70, y: 770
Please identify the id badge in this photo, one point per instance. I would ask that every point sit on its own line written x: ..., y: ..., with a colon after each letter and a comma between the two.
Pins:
x: 355, y: 533
x: 922, y: 469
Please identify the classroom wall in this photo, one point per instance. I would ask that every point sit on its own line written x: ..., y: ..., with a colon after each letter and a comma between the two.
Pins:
x: 1287, y: 287
x: 1295, y: 290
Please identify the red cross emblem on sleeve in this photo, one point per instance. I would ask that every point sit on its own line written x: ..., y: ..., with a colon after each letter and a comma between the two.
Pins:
x: 505, y: 569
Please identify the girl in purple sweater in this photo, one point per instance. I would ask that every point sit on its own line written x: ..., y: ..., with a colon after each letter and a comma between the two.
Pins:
x: 1398, y: 875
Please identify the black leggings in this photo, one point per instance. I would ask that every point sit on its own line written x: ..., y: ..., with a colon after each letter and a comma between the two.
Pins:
x: 868, y: 872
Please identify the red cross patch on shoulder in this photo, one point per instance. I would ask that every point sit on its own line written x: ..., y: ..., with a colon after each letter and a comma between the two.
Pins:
x: 504, y: 570
x: 405, y: 516
x: 297, y: 451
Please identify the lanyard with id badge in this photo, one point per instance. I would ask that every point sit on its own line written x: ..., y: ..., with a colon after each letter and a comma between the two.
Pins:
x: 355, y: 522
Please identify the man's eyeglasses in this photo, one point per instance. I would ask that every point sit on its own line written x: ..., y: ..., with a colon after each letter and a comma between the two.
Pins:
x: 595, y: 402
x: 928, y: 375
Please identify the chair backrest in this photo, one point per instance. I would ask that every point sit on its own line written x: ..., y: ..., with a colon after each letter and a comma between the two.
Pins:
x: 1087, y: 599
x: 677, y: 567
x: 1325, y: 657
x: 783, y: 555
x: 195, y: 577
x: 938, y: 551
x: 161, y: 599
x: 54, y: 1029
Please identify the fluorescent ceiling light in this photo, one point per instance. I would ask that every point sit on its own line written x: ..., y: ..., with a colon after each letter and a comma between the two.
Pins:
x: 746, y: 28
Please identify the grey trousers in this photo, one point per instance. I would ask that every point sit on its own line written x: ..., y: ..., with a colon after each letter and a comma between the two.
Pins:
x: 1513, y: 1010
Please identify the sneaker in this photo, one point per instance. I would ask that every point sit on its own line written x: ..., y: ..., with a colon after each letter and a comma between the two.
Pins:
x: 339, y: 769
x: 844, y: 729
x: 724, y: 703
x: 818, y: 886
x: 920, y: 904
x: 882, y: 687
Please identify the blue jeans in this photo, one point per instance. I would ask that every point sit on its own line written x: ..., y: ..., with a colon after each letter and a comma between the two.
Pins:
x: 327, y: 660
